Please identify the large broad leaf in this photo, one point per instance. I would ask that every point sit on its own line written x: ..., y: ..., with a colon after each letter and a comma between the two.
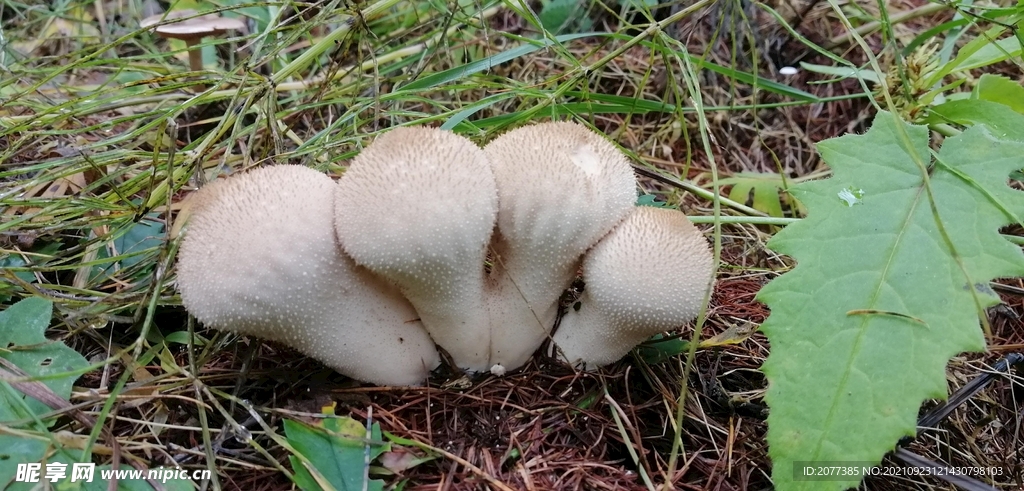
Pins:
x: 882, y: 297
x: 23, y: 343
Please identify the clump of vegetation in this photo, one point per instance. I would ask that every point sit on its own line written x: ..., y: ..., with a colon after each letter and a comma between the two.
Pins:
x: 903, y: 239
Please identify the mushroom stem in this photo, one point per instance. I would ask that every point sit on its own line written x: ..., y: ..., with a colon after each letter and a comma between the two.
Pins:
x: 195, y: 60
x: 417, y: 207
x: 187, y: 25
x: 522, y: 298
x: 260, y: 258
x: 561, y: 187
x: 649, y: 275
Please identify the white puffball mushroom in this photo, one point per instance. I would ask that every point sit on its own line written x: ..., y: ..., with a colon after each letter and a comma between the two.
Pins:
x: 417, y: 207
x: 561, y: 187
x: 260, y: 258
x: 649, y: 275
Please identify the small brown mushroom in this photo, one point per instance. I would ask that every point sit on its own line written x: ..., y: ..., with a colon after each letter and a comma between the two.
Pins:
x: 191, y: 29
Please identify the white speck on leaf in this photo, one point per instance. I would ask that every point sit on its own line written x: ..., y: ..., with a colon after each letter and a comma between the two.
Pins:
x: 851, y: 196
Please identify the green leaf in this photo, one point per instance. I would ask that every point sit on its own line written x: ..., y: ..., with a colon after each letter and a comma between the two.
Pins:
x: 336, y: 449
x: 8, y: 288
x: 991, y: 53
x: 41, y: 256
x: 16, y: 450
x: 130, y: 247
x: 658, y: 350
x: 651, y: 200
x: 147, y: 234
x: 1000, y: 89
x: 23, y: 343
x: 862, y: 328
x: 1001, y: 120
x: 766, y: 188
x: 561, y: 15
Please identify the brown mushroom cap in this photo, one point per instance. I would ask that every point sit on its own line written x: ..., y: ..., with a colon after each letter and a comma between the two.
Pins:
x: 561, y: 187
x: 260, y: 258
x: 649, y: 275
x: 193, y: 26
x: 417, y: 207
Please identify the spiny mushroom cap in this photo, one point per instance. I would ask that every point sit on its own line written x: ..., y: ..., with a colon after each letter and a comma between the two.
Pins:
x: 649, y: 275
x: 260, y: 258
x: 193, y: 27
x: 561, y: 187
x: 417, y: 207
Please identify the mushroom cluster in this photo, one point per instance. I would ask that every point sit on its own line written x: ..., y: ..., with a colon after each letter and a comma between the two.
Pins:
x: 428, y: 238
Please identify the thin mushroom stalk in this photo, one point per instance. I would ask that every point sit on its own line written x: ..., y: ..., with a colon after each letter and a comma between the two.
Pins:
x: 649, y: 275
x: 260, y: 258
x: 191, y: 28
x: 561, y: 187
x: 417, y: 207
